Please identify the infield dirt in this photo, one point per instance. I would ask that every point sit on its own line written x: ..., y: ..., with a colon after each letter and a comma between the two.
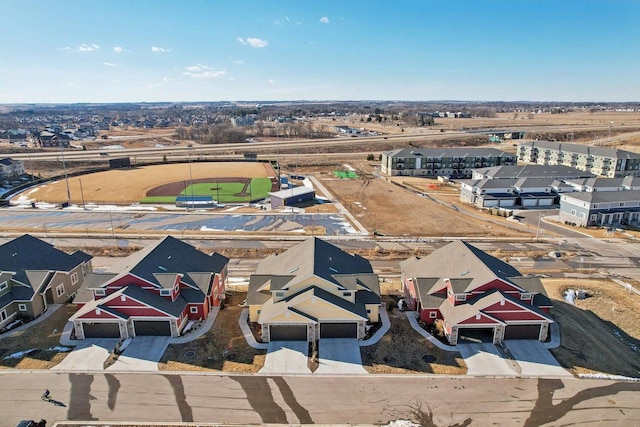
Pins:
x: 119, y: 186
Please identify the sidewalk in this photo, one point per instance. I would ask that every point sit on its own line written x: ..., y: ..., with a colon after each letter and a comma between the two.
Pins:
x: 411, y: 315
x: 246, y: 330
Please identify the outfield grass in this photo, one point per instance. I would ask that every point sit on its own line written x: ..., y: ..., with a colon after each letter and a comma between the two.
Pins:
x: 222, y: 192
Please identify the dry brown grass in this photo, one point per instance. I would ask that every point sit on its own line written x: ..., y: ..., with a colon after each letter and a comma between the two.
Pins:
x: 223, y: 348
x: 39, y: 337
x: 599, y: 333
x: 403, y: 351
x: 131, y: 185
x: 393, y: 210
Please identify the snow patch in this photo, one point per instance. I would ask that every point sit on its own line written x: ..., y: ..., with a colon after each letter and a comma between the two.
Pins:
x: 570, y: 296
x: 609, y: 377
x: 19, y: 354
x: 60, y: 349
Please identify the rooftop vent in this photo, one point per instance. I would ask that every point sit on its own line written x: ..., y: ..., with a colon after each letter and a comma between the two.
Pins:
x: 293, y: 270
x: 464, y: 273
x: 333, y: 269
x: 162, y: 268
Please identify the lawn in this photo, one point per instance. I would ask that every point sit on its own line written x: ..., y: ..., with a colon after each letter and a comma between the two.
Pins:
x: 403, y: 351
x: 345, y: 174
x: 600, y: 333
x: 222, y: 192
x: 222, y: 348
x: 37, y: 347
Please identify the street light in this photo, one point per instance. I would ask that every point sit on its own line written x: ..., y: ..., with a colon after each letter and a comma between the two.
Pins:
x: 538, y: 229
x: 190, y: 178
x: 64, y: 169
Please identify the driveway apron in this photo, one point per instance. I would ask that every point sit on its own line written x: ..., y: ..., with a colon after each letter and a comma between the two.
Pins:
x: 484, y: 359
x: 534, y: 359
x: 286, y: 357
x: 339, y: 356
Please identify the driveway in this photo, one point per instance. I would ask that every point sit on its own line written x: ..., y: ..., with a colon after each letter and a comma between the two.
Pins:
x: 484, y: 359
x: 142, y: 354
x: 89, y: 355
x: 339, y: 356
x: 534, y: 359
x: 286, y: 357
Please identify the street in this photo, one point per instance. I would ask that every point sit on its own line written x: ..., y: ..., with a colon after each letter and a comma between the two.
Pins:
x: 256, y: 399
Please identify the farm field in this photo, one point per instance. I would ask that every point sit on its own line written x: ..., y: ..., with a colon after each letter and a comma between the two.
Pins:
x: 121, y: 186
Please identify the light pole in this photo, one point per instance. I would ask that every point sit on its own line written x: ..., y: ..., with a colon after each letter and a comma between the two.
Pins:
x: 64, y: 169
x: 538, y: 229
x: 82, y: 195
x: 190, y: 179
x: 610, y: 124
x: 113, y: 232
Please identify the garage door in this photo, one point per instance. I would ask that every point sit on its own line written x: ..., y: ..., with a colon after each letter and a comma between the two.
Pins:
x: 101, y: 330
x: 156, y: 328
x: 522, y: 332
x: 475, y: 334
x: 338, y: 330
x: 288, y: 332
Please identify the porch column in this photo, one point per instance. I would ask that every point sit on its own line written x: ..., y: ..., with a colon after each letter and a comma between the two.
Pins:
x: 498, y: 334
x: 265, y: 333
x: 544, y: 332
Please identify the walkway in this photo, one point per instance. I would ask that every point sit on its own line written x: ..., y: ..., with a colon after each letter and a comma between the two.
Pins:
x: 411, y: 315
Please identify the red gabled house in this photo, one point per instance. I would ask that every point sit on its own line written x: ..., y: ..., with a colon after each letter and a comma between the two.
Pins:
x: 155, y: 291
x: 475, y: 295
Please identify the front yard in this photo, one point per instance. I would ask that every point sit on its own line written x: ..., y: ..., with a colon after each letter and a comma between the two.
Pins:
x: 222, y: 348
x: 37, y: 347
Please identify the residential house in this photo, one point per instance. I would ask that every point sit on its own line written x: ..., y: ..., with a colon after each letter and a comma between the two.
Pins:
x: 600, y: 208
x: 475, y: 295
x: 10, y: 168
x: 313, y: 290
x: 604, y: 161
x: 450, y: 162
x: 605, y: 184
x: 34, y: 275
x: 156, y: 291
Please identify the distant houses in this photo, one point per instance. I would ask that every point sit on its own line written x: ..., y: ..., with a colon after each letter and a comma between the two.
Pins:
x: 10, y: 168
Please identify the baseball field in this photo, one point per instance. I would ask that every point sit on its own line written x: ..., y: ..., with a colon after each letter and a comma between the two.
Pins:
x: 225, y: 182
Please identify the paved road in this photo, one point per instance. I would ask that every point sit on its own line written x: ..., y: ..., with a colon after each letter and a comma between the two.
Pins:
x: 168, y: 397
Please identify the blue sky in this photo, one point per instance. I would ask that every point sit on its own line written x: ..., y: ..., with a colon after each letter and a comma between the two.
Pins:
x: 206, y: 50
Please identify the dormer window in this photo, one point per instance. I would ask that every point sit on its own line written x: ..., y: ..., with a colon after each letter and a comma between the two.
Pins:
x: 280, y: 294
x: 461, y: 297
x: 165, y: 292
x: 525, y: 296
x: 346, y: 294
x: 100, y: 292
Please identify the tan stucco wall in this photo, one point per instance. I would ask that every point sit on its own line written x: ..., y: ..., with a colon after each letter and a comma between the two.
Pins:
x: 253, y: 312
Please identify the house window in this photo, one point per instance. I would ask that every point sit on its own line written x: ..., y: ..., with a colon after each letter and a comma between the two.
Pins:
x: 165, y: 292
x: 60, y: 290
x: 433, y: 315
x: 478, y: 316
x: 461, y: 297
x: 280, y: 294
x: 525, y: 296
x: 123, y: 298
x: 573, y: 212
x: 594, y: 217
x: 621, y: 204
x: 100, y: 292
x: 583, y: 215
x: 74, y: 278
x: 3, y: 286
x: 346, y: 294
x: 22, y: 307
x: 193, y: 309
x: 502, y: 302
x: 3, y: 315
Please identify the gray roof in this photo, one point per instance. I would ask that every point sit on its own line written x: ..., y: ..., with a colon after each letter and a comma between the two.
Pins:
x: 27, y: 253
x: 314, y: 257
x: 532, y: 171
x: 447, y: 152
x: 460, y: 260
x: 605, y: 196
x: 159, y: 263
x: 583, y: 149
x: 355, y: 308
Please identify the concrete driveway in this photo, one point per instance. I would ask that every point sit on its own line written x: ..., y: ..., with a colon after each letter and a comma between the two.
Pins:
x: 534, y: 359
x: 142, y: 354
x: 286, y: 357
x: 339, y: 356
x: 484, y: 359
x: 89, y: 355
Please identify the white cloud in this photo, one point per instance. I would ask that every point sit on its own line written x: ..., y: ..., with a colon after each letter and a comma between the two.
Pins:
x: 253, y: 42
x: 281, y: 22
x: 159, y: 49
x: 83, y: 48
x: 118, y: 49
x: 88, y: 47
x: 109, y: 64
x: 271, y: 81
x: 237, y: 61
x: 203, y: 72
x: 115, y: 81
x: 167, y: 79
x: 324, y: 20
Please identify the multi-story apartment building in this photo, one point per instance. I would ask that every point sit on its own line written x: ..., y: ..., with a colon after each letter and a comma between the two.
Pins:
x: 451, y: 162
x: 604, y: 161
